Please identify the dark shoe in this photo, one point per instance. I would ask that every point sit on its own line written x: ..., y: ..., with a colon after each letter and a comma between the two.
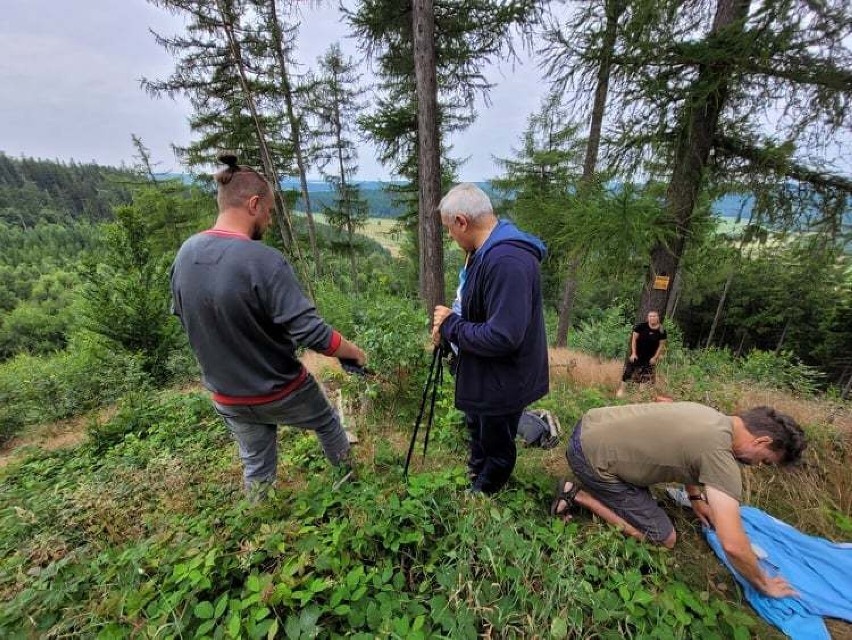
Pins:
x: 560, y: 495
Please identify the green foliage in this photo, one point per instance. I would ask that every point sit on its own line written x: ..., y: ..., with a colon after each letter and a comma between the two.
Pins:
x: 780, y: 371
x: 45, y: 191
x: 136, y: 415
x: 792, y: 295
x: 696, y: 373
x: 88, y: 374
x: 605, y: 336
x: 40, y: 323
x: 392, y: 330
x: 37, y: 282
x: 126, y: 295
x: 142, y: 537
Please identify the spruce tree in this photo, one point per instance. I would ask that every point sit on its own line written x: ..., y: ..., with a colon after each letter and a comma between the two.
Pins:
x: 335, y: 103
x: 467, y: 35
x: 215, y: 70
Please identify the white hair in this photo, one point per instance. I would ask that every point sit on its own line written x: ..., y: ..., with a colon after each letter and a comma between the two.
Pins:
x: 465, y: 199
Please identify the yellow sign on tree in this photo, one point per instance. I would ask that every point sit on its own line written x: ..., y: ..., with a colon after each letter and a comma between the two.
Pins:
x: 661, y: 282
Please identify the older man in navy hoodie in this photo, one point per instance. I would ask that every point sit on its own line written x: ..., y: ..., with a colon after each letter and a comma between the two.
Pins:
x: 497, y: 326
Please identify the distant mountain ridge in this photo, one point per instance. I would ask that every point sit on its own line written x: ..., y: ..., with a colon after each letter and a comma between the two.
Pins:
x: 382, y: 205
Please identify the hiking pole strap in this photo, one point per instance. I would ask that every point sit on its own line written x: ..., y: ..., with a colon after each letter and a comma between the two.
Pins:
x: 429, y: 381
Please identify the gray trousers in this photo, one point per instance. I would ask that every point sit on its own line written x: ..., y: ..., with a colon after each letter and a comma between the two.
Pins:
x: 255, y: 429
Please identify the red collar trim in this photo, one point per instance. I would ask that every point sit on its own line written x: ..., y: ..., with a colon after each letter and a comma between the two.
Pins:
x: 226, y: 234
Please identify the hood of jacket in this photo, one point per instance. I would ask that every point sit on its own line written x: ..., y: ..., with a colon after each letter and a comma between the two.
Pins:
x: 506, y: 231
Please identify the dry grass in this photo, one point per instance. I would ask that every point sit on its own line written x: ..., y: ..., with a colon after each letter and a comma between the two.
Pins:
x: 53, y: 435
x: 71, y: 432
x: 803, y: 410
x: 319, y: 364
x: 584, y: 370
x: 384, y: 231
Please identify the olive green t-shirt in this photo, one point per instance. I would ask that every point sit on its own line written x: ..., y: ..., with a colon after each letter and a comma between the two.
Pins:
x: 644, y: 444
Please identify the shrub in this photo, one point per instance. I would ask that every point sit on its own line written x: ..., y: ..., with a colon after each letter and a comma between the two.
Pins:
x: 392, y: 331
x: 780, y: 371
x: 702, y: 369
x: 605, y: 336
x: 86, y: 375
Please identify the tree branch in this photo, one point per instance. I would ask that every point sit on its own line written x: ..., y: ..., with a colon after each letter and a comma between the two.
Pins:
x: 766, y: 158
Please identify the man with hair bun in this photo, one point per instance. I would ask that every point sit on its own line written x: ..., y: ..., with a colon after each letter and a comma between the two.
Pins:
x: 497, y: 325
x: 245, y: 314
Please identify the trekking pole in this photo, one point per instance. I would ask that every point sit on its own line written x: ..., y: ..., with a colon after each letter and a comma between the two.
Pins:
x: 430, y: 379
x: 436, y: 384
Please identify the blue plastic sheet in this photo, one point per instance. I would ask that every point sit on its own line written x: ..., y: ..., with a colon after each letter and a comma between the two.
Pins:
x: 820, y: 570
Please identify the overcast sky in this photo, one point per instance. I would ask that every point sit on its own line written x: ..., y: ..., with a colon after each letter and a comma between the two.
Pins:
x: 70, y: 74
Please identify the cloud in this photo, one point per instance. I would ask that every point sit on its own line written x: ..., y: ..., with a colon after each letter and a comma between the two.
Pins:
x: 72, y: 69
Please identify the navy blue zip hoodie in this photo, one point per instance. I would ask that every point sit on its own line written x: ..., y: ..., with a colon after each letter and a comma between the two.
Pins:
x: 502, y: 366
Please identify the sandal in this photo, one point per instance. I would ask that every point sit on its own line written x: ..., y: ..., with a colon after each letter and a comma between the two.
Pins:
x: 560, y: 495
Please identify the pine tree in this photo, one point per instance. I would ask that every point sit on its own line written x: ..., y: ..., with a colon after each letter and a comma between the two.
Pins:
x: 689, y: 96
x: 335, y: 103
x: 215, y: 71
x: 467, y: 35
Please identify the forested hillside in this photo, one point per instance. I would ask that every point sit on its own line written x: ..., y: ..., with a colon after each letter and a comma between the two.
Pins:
x: 44, y: 191
x: 128, y: 511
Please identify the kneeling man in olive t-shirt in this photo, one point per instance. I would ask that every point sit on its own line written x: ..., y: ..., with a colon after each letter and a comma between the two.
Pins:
x: 616, y: 453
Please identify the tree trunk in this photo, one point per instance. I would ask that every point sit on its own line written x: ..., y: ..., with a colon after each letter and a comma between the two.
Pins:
x: 719, y: 308
x: 282, y: 210
x: 566, y: 307
x: 847, y: 389
x: 739, y: 351
x: 700, y: 118
x: 431, y: 279
x: 295, y: 131
x: 674, y: 298
x: 614, y: 9
x: 350, y: 229
x: 783, y: 337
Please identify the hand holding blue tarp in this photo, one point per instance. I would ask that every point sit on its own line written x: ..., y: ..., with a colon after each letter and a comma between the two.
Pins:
x: 819, y: 570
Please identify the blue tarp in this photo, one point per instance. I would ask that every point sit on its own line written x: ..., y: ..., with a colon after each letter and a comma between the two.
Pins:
x: 820, y: 570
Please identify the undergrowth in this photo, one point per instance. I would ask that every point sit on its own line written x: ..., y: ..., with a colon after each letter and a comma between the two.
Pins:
x: 142, y: 532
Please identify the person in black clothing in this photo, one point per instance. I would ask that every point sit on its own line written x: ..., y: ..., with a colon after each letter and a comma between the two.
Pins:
x: 647, y: 344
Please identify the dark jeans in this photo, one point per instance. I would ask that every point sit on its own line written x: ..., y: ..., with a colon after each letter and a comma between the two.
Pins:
x: 492, y: 449
x: 255, y: 428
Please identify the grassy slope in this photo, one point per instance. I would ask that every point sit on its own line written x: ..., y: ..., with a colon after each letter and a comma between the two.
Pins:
x: 141, y: 529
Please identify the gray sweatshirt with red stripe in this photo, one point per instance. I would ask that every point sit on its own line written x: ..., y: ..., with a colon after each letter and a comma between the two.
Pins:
x: 244, y: 313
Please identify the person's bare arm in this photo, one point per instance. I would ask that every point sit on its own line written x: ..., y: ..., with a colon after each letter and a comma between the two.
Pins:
x: 725, y: 514
x: 661, y: 348
x: 634, y: 336
x: 350, y: 351
x: 699, y: 506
